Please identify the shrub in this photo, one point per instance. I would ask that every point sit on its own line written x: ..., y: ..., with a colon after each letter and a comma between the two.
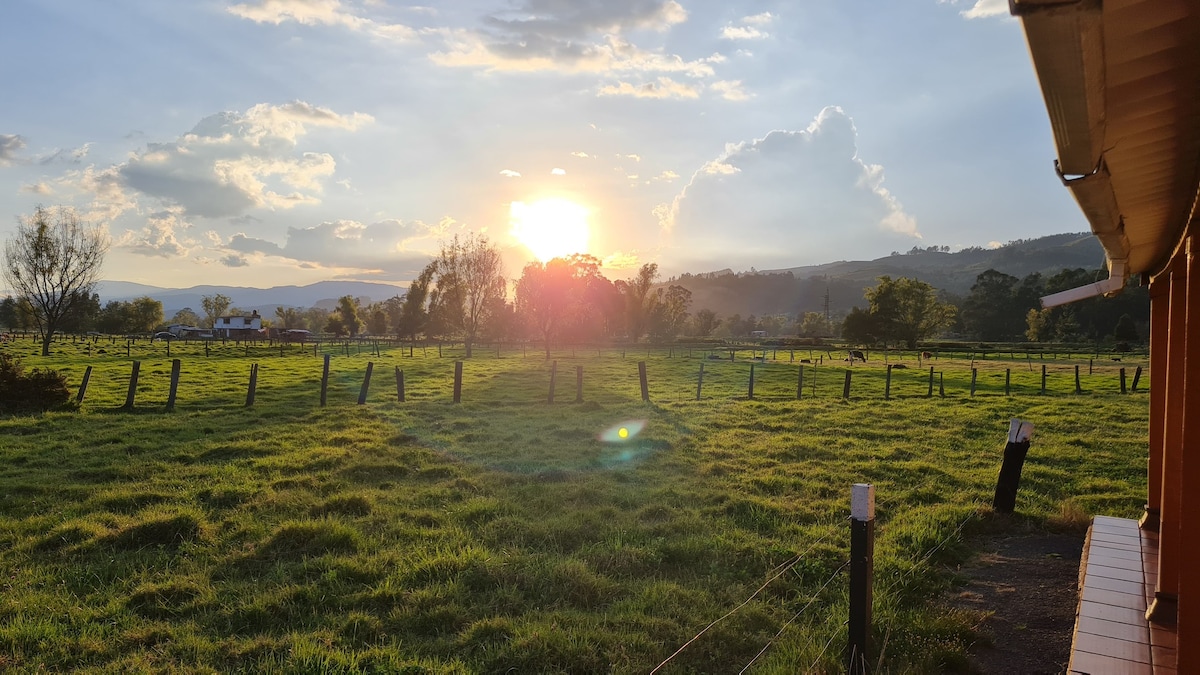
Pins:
x: 39, y: 391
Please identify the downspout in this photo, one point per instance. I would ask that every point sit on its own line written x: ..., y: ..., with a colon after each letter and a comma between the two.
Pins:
x: 1114, y: 283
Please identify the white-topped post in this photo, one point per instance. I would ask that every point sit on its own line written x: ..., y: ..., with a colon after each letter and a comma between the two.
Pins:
x: 862, y: 574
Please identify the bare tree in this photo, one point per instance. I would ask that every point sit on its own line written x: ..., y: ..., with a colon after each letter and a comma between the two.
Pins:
x: 53, y: 261
x: 214, y: 307
x: 470, y: 278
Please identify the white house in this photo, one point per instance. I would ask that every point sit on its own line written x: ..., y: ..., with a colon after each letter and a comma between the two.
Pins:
x: 238, y: 326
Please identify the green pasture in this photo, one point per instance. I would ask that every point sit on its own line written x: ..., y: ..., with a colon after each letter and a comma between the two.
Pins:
x: 502, y: 534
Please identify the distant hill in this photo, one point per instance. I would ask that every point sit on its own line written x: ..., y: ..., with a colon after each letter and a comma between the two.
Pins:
x: 802, y: 289
x: 265, y: 300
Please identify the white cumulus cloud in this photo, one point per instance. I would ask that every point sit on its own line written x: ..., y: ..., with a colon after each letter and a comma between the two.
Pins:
x: 983, y: 9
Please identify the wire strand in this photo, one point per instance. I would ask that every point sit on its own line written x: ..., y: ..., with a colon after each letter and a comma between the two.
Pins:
x: 795, y: 616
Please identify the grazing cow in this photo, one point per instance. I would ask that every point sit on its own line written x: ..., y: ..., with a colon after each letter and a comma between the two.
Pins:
x: 856, y: 354
x: 805, y: 360
x: 926, y: 355
x: 898, y: 366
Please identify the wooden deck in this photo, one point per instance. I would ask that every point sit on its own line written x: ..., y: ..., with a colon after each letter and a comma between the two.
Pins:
x: 1117, y: 577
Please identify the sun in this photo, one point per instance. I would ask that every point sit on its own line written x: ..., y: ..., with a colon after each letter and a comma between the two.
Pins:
x: 550, y: 228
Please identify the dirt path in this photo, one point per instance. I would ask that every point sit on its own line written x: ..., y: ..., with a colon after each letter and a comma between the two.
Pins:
x: 1029, y: 583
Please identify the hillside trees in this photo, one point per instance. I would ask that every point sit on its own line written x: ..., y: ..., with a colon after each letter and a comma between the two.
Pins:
x: 413, y: 314
x: 560, y: 294
x: 669, y: 313
x: 186, y: 317
x: 290, y: 318
x: 704, y: 322
x: 639, y: 301
x: 1094, y: 319
x: 53, y: 261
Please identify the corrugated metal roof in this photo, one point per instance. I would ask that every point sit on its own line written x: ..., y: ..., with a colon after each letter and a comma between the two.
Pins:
x: 1121, y: 80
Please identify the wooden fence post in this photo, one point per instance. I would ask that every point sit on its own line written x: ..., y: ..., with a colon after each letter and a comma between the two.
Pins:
x: 887, y: 387
x: 941, y: 384
x: 1122, y: 380
x: 642, y: 379
x: 1043, y: 378
x: 553, y: 375
x: 1078, y: 388
x: 399, y: 385
x: 862, y: 576
x: 133, y: 380
x: 253, y: 386
x: 362, y: 393
x: 324, y: 380
x: 1137, y: 375
x: 700, y: 381
x: 175, y: 366
x: 87, y: 376
x: 1089, y: 367
x: 930, y: 394
x: 750, y: 391
x: 846, y: 386
x: 1015, y: 450
x: 457, y: 378
x: 800, y: 384
x: 579, y: 384
x: 974, y: 374
x: 1007, y: 380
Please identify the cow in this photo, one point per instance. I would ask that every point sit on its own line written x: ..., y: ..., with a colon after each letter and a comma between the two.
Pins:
x: 899, y: 365
x: 805, y: 360
x: 856, y: 354
x: 926, y: 355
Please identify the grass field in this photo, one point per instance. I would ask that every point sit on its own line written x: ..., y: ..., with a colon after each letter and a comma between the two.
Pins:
x: 503, y: 534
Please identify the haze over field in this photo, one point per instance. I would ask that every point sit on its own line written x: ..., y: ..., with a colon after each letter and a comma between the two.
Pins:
x: 283, y: 142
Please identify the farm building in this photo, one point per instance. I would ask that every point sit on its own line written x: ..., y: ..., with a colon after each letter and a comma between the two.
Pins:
x: 1121, y: 82
x: 238, y: 326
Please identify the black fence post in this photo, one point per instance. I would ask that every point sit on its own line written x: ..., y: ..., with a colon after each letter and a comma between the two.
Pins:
x: 887, y: 386
x: 750, y: 391
x: 1015, y: 450
x: 324, y: 380
x: 642, y: 379
x: 800, y: 384
x: 1078, y: 388
x: 175, y: 366
x: 553, y: 376
x: 457, y: 379
x: 930, y: 394
x: 87, y: 376
x: 253, y: 386
x: 1122, y: 380
x: 1137, y: 375
x: 846, y: 386
x: 1007, y: 380
x: 362, y: 393
x: 133, y: 380
x: 1043, y: 378
x: 941, y: 384
x: 579, y: 384
x: 862, y: 576
x: 399, y: 385
x: 974, y: 375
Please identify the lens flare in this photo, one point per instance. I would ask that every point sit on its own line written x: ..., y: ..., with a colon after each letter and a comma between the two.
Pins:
x: 623, y: 431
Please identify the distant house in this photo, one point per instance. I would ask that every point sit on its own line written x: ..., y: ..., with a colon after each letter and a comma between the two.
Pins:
x: 758, y: 333
x: 240, y: 326
x: 180, y: 330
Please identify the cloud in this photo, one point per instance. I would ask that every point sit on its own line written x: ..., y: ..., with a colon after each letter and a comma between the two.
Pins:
x: 620, y: 261
x: 235, y: 260
x: 987, y: 8
x: 553, y: 35
x: 580, y: 154
x: 787, y: 198
x: 233, y: 162
x: 509, y: 173
x: 558, y: 172
x: 994, y: 244
x: 10, y: 145
x: 388, y: 248
x: 159, y: 238
x: 667, y: 175
x: 105, y: 189
x: 68, y: 156
x: 664, y: 87
x: 742, y: 33
x: 318, y: 13
x: 730, y: 90
x: 39, y: 188
x: 759, y: 19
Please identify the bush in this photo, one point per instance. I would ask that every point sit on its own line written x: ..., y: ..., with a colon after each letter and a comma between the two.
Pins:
x: 38, y: 391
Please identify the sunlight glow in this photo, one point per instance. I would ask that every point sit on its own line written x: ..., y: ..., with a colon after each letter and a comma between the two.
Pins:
x: 550, y: 228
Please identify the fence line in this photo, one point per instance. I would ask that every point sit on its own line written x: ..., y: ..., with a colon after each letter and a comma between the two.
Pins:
x: 795, y: 616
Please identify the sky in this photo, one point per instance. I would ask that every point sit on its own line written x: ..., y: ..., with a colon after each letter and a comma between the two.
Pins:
x: 275, y: 142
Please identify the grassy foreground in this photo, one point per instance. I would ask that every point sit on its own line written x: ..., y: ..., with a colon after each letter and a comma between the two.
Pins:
x: 502, y: 534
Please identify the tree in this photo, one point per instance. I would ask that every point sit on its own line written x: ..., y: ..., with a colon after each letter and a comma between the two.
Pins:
x: 639, y: 301
x: 669, y: 311
x: 413, y: 314
x: 145, y: 315
x: 990, y: 311
x: 377, y: 319
x: 470, y: 278
x: 907, y: 310
x: 704, y: 322
x: 556, y: 295
x: 347, y: 313
x: 859, y: 327
x: 1125, y: 330
x: 8, y: 313
x: 290, y: 318
x: 214, y: 306
x: 53, y: 261
x: 186, y: 317
x: 813, y: 324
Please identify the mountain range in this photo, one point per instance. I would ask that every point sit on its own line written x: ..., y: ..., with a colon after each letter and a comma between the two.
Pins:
x: 762, y: 292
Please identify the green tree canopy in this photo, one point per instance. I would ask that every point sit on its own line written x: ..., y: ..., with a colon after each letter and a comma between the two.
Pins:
x: 907, y: 310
